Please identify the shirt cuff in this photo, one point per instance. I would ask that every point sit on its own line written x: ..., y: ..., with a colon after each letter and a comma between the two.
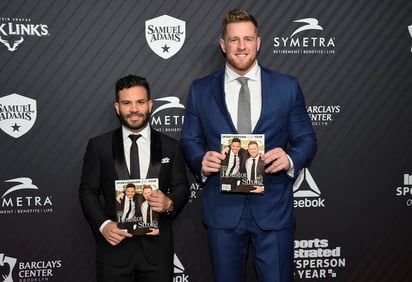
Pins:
x: 103, y: 225
x: 291, y: 170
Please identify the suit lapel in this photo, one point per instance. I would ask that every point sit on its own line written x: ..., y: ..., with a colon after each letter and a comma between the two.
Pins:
x: 218, y: 94
x: 118, y: 155
x: 155, y: 154
x: 267, y: 89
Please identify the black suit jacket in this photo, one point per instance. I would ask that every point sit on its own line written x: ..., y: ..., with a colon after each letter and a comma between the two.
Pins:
x: 104, y: 162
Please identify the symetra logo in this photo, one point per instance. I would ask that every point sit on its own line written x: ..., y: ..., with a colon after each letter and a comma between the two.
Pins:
x: 18, y: 200
x: 305, y: 187
x: 169, y: 116
x: 13, y: 31
x: 7, y: 265
x: 179, y: 275
x: 17, y: 114
x: 165, y: 35
x: 406, y: 189
x: 305, y: 39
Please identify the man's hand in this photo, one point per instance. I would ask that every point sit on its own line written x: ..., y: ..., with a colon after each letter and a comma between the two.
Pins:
x: 211, y: 162
x: 276, y: 160
x: 159, y: 201
x: 119, y: 197
x: 113, y: 234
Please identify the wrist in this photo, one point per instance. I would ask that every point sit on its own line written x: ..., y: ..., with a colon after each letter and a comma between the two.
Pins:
x: 169, y: 207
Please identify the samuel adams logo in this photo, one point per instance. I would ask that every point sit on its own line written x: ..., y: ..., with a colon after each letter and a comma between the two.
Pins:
x: 165, y: 35
x: 17, y: 114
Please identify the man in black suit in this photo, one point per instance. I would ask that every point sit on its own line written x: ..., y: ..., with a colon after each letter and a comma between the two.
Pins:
x: 235, y: 157
x: 128, y: 205
x: 120, y: 255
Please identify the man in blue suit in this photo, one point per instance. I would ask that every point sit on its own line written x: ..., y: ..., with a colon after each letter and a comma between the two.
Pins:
x: 277, y: 110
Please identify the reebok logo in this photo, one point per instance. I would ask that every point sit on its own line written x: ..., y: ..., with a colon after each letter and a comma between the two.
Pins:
x: 305, y: 187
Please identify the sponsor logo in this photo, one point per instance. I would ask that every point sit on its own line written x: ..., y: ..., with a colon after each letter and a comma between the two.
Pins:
x: 179, y: 275
x: 406, y: 190
x: 41, y: 270
x: 308, y: 38
x: 17, y: 114
x: 195, y: 190
x: 169, y: 115
x: 24, y: 198
x: 306, y: 192
x: 7, y: 265
x: 13, y: 31
x: 315, y: 259
x: 323, y: 115
x: 165, y: 35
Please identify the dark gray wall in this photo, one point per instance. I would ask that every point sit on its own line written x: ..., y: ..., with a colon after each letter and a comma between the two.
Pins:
x: 353, y: 204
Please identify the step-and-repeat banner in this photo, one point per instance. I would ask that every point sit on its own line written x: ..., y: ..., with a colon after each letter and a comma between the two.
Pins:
x: 59, y: 61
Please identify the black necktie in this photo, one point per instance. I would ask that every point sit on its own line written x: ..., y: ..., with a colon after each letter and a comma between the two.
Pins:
x: 234, y: 164
x: 252, y: 173
x: 134, y: 157
x: 244, y: 120
x: 148, y: 214
x: 129, y: 210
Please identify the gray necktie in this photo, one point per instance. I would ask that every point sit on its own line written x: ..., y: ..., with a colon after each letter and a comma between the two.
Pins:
x: 244, y: 123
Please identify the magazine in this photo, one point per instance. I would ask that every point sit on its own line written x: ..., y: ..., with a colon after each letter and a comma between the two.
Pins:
x: 132, y: 210
x: 243, y: 169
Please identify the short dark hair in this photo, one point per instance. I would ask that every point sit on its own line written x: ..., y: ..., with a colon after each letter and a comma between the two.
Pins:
x: 130, y: 81
x: 238, y: 15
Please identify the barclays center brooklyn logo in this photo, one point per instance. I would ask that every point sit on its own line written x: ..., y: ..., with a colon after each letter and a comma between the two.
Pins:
x: 14, y: 31
x: 165, y: 35
x: 17, y: 114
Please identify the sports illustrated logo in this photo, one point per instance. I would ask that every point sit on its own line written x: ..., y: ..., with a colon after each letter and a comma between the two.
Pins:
x: 305, y: 39
x: 305, y: 187
x: 17, y: 114
x: 27, y: 271
x: 13, y: 31
x: 165, y: 35
x: 410, y: 33
x: 168, y: 117
x: 19, y: 198
x: 406, y: 189
x: 179, y: 275
x: 6, y: 267
x: 323, y: 115
x: 315, y: 259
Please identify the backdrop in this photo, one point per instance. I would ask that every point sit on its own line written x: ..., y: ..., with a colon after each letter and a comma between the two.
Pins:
x: 61, y: 59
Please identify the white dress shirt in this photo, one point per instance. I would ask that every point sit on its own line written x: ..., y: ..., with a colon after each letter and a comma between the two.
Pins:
x: 143, y: 143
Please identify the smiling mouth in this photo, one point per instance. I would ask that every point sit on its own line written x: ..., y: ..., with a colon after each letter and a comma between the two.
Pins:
x: 135, y: 117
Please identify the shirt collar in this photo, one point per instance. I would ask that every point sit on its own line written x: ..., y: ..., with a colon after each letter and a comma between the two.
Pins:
x: 253, y: 74
x: 145, y: 132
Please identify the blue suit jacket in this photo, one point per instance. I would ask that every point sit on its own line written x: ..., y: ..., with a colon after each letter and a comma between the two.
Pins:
x: 285, y: 123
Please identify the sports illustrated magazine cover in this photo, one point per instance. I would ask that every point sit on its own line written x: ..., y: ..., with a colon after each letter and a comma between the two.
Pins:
x: 133, y: 212
x: 243, y: 169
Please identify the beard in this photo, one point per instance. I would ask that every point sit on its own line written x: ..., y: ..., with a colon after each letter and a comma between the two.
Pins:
x: 241, y: 66
x: 136, y: 125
